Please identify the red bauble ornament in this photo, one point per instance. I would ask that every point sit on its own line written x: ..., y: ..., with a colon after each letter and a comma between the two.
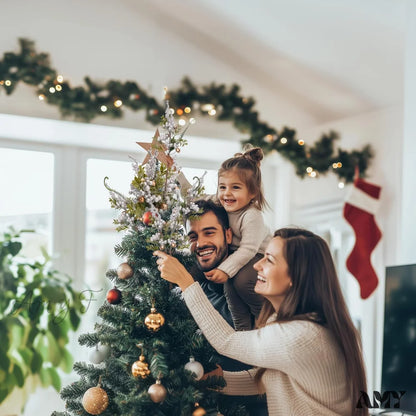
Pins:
x: 114, y: 296
x: 147, y: 217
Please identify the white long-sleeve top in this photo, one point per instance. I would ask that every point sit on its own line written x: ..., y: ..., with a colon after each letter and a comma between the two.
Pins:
x: 305, y: 369
x: 250, y: 236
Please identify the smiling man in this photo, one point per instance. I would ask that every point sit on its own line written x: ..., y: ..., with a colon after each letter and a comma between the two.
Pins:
x: 210, y: 236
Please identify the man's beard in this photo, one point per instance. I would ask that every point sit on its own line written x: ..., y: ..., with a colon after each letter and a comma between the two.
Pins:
x: 221, y: 254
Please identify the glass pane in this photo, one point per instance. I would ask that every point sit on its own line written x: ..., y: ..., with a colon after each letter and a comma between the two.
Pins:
x: 26, y: 184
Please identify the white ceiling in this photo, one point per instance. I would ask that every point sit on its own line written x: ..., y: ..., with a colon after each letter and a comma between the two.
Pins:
x: 305, y: 62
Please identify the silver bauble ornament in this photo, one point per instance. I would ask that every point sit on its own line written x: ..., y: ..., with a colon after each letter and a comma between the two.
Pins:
x: 195, y: 368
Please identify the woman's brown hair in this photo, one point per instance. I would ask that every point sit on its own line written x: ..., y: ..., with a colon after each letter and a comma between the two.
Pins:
x: 247, y: 166
x: 316, y: 295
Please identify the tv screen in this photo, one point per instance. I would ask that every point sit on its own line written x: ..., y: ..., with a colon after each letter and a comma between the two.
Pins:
x: 399, y: 345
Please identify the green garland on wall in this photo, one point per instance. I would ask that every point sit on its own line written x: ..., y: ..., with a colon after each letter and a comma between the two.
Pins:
x: 84, y: 103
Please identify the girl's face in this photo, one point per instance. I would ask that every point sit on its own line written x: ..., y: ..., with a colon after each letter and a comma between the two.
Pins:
x: 233, y: 192
x: 273, y: 280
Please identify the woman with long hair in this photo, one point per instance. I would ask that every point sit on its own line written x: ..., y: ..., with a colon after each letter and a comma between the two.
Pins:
x: 306, y: 350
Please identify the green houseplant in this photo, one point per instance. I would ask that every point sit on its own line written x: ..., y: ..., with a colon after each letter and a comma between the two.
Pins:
x: 38, y: 309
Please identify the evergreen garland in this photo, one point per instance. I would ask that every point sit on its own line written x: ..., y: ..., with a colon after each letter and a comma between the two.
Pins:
x: 84, y: 103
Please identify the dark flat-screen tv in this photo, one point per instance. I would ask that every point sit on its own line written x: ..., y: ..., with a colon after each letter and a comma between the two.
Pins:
x: 399, y: 344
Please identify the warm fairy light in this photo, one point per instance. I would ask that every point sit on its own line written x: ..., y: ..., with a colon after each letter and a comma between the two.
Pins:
x: 269, y: 138
x: 309, y: 169
x: 1, y: 82
x: 103, y: 108
x: 312, y: 174
x: 187, y: 110
x: 7, y: 83
x: 192, y: 121
x: 51, y: 90
x: 207, y: 107
x: 58, y: 87
x: 283, y: 140
x: 339, y: 165
x: 181, y: 122
x: 41, y: 97
x: 341, y: 185
x: 172, y: 111
x: 118, y: 103
x: 334, y: 165
x: 301, y: 142
x: 212, y: 112
x: 179, y: 111
x: 59, y: 78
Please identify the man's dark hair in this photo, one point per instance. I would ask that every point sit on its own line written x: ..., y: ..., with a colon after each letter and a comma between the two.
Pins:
x: 206, y: 206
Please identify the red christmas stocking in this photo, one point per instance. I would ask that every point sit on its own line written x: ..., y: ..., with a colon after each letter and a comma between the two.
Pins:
x: 360, y: 207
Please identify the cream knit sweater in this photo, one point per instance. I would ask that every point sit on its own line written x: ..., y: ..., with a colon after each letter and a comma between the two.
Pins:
x: 250, y: 236
x: 305, y: 373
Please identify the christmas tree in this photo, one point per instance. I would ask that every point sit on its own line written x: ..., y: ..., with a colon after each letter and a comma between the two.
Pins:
x: 147, y: 354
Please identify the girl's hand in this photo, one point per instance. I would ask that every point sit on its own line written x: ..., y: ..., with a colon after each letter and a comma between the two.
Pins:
x: 172, y: 270
x: 216, y: 276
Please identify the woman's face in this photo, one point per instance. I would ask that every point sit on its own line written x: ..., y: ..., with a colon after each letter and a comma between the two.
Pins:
x: 273, y: 280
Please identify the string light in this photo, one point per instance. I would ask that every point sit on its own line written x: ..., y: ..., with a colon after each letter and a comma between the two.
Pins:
x: 212, y: 112
x: 118, y: 103
x: 7, y: 83
x: 312, y: 174
x: 103, y: 108
x: 181, y: 122
x: 339, y: 165
x: 187, y: 110
x: 58, y: 87
x: 207, y: 107
x: 192, y: 121
x: 60, y: 78
x: 51, y: 90
x: 1, y: 82
x: 179, y: 111
x: 309, y: 169
x: 41, y: 97
x: 283, y: 140
x: 341, y: 185
x: 301, y: 142
x: 269, y: 138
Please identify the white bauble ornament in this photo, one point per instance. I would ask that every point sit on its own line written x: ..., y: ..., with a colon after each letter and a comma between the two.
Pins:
x: 195, y: 367
x: 99, y: 354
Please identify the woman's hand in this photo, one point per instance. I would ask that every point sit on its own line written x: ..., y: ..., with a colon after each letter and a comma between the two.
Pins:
x: 214, y: 373
x: 172, y: 270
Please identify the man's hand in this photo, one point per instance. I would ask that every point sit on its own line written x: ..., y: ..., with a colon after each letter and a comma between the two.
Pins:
x: 172, y: 270
x: 216, y: 276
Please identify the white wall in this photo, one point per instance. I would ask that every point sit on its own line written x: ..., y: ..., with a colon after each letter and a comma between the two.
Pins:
x: 384, y: 131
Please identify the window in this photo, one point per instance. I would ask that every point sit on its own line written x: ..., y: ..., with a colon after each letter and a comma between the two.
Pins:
x: 26, y: 202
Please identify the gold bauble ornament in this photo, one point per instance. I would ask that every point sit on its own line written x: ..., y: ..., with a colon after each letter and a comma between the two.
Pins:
x: 141, y: 199
x: 157, y: 392
x: 124, y: 271
x: 199, y: 411
x: 95, y: 400
x: 154, y: 320
x: 140, y: 368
